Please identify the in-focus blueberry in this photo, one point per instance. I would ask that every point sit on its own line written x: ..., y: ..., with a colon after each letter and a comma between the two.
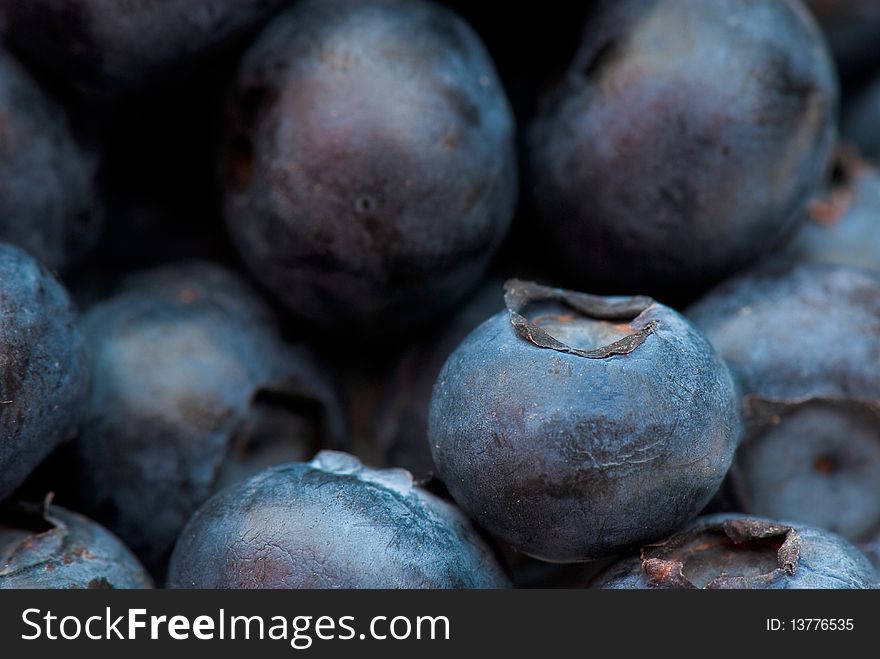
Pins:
x: 331, y: 523
x: 574, y: 426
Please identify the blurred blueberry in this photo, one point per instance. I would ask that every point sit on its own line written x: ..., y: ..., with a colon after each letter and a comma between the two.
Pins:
x: 640, y: 156
x: 368, y: 163
x: 48, y: 202
x: 193, y: 388
x: 802, y: 340
x: 113, y: 46
x: 43, y: 366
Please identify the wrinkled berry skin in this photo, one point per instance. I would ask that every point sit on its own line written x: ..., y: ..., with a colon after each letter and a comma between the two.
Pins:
x: 193, y: 388
x: 740, y: 552
x: 617, y: 431
x: 845, y: 228
x: 331, y: 523
x: 802, y: 341
x: 50, y: 547
x: 369, y: 168
x: 401, y: 426
x: 47, y: 177
x: 112, y: 46
x: 43, y: 366
x: 640, y: 156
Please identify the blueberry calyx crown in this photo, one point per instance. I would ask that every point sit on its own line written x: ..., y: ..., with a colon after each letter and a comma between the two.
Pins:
x: 671, y: 564
x: 21, y: 523
x: 520, y: 294
x: 343, y: 464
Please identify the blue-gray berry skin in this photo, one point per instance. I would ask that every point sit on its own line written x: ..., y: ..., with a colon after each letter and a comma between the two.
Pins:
x: 795, y: 331
x: 639, y: 157
x: 193, y: 388
x: 47, y: 177
x: 843, y: 229
x: 50, y: 547
x: 802, y: 342
x: 573, y: 426
x: 331, y: 523
x: 851, y: 27
x: 43, y: 366
x: 119, y: 46
x: 739, y: 552
x: 369, y: 168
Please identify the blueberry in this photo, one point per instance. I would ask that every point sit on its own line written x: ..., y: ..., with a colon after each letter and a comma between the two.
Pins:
x: 401, y: 426
x: 640, y: 155
x: 193, y: 389
x: 43, y: 366
x: 573, y: 426
x: 369, y: 168
x: 802, y: 342
x: 736, y: 551
x: 794, y: 331
x: 112, y: 46
x: 47, y: 177
x: 330, y: 523
x: 50, y: 547
x: 843, y: 228
x: 816, y: 461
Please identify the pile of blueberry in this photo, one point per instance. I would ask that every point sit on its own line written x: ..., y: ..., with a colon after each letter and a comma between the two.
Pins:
x: 270, y: 313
